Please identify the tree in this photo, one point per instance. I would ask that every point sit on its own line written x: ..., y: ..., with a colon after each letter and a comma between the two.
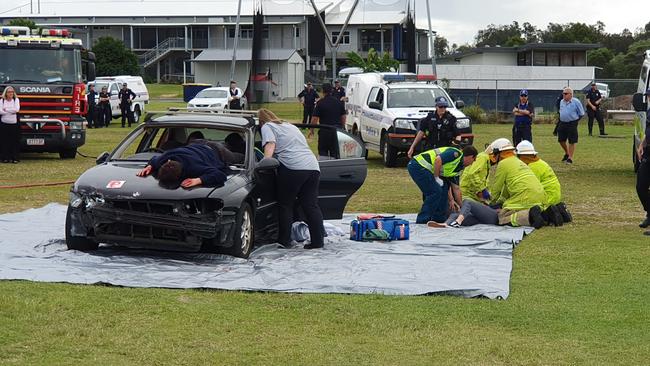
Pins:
x: 22, y: 22
x: 441, y: 46
x: 113, y: 58
x: 373, y: 62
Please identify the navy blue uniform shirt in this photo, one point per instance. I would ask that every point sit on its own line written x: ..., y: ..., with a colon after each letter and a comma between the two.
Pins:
x: 199, y: 161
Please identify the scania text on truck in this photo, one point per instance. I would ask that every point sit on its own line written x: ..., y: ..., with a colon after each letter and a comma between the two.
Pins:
x: 384, y: 110
x: 48, y: 73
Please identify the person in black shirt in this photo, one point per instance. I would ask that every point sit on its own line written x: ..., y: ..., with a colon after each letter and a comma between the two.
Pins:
x: 524, y: 111
x: 126, y: 97
x: 594, y: 99
x: 105, y: 114
x: 643, y: 174
x: 339, y: 91
x: 330, y: 112
x: 439, y: 127
x: 308, y: 99
x: 92, y: 107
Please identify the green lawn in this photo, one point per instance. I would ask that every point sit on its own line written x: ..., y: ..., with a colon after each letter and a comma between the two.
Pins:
x: 578, y: 292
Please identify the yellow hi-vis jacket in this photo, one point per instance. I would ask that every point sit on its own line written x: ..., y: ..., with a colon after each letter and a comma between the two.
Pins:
x: 475, y: 177
x: 515, y: 186
x: 549, y: 181
x: 448, y: 170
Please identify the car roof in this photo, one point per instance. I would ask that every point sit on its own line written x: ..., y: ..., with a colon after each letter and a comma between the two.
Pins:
x: 224, y: 88
x: 207, y: 119
x: 420, y: 85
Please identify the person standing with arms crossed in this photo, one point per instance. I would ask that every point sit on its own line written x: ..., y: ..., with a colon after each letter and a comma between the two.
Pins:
x: 570, y: 113
x: 105, y: 115
x: 308, y: 98
x: 524, y: 113
x: 9, y: 127
x: 330, y: 112
x: 594, y: 99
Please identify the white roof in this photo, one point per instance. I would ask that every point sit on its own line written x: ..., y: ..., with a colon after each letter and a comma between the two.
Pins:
x: 122, y: 11
x: 213, y: 54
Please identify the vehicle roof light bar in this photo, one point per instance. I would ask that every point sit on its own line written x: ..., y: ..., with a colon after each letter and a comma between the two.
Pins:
x: 426, y: 77
x: 14, y: 31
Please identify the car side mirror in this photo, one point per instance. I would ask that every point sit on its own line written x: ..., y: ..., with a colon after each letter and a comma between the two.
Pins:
x: 460, y: 104
x: 267, y: 165
x: 638, y: 102
x: 375, y: 105
x: 102, y: 158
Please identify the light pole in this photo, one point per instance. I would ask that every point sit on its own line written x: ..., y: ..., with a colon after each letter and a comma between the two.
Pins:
x: 432, y: 37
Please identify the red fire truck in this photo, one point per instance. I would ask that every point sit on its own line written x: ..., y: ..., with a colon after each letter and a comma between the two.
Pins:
x: 49, y: 73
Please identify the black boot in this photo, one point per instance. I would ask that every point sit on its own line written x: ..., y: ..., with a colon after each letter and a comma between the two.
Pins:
x: 645, y: 223
x: 554, y: 216
x: 566, y: 215
x: 535, y: 217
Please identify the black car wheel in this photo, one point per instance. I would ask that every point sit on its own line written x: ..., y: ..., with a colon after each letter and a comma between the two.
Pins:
x: 68, y: 153
x: 243, y: 240
x: 389, y: 153
x: 137, y: 113
x: 76, y: 242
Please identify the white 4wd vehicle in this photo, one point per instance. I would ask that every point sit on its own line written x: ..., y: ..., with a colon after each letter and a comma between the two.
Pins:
x: 384, y: 110
x: 114, y: 84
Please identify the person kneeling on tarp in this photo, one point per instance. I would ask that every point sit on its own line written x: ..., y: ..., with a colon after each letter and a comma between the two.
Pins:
x: 474, y: 180
x: 471, y: 213
x: 555, y: 211
x: 436, y: 173
x: 515, y: 188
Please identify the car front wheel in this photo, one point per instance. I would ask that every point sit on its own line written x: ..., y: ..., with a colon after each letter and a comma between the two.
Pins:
x: 243, y: 240
x: 76, y: 242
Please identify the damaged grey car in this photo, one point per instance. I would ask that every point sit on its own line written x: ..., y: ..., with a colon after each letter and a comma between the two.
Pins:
x: 109, y: 204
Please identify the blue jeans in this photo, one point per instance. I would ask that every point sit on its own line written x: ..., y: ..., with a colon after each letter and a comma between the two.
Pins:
x: 434, y: 207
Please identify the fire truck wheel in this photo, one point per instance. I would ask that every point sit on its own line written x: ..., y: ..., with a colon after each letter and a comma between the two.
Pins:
x: 68, y: 153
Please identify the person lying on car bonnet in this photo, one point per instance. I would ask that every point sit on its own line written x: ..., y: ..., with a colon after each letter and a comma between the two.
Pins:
x: 188, y: 166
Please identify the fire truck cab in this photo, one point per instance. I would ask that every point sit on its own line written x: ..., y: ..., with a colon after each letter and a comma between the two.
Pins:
x: 48, y: 72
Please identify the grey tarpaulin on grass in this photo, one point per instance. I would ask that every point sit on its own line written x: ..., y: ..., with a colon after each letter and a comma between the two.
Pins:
x: 469, y: 262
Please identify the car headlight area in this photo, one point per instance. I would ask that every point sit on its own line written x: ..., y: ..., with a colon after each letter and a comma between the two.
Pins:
x: 404, y: 123
x: 462, y: 123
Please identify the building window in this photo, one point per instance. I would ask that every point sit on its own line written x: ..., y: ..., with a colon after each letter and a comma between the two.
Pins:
x: 345, y: 39
x: 552, y: 58
x: 539, y: 58
x: 579, y: 58
x: 566, y: 58
x: 246, y: 32
x: 297, y: 32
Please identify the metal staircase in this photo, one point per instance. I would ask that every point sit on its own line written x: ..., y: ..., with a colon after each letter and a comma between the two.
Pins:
x: 161, y: 50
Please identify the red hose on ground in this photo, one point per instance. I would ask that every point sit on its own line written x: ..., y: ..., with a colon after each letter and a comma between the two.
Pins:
x: 37, y: 185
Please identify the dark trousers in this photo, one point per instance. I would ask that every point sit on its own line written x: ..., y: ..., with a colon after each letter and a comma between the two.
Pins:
x: 303, y: 185
x: 435, y: 205
x: 643, y: 184
x: 475, y: 213
x: 306, y: 114
x: 104, y: 114
x: 92, y: 117
x: 9, y: 141
x: 327, y: 142
x: 521, y: 132
x: 127, y: 113
x: 591, y: 114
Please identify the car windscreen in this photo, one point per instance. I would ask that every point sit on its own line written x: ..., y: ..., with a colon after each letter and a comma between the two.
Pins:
x: 415, y: 97
x: 217, y: 94
x: 150, y: 141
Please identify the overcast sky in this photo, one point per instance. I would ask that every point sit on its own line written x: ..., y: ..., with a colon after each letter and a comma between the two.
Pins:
x: 459, y: 21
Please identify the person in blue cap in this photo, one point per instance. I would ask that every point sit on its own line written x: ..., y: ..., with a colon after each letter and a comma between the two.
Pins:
x: 643, y: 174
x: 438, y: 127
x: 524, y: 113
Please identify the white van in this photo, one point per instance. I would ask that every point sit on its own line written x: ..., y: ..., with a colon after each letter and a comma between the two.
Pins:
x: 384, y: 110
x: 114, y: 84
x: 640, y: 107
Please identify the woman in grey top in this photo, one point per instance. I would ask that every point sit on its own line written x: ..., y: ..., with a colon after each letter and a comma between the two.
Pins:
x: 298, y: 176
x: 9, y: 128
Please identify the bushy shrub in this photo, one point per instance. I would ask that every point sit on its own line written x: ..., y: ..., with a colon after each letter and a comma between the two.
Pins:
x: 475, y: 113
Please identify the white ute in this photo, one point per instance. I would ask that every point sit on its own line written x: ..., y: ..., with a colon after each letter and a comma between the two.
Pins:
x: 384, y: 110
x: 114, y: 84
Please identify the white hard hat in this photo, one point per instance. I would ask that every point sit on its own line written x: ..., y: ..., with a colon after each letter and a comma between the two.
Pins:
x: 499, y: 145
x: 526, y: 148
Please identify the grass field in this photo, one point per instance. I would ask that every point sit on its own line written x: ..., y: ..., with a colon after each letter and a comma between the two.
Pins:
x: 579, y: 293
